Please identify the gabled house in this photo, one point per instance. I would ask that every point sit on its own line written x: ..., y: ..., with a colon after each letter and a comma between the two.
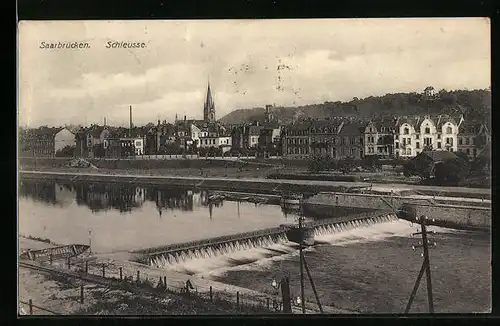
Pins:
x: 379, y: 137
x: 44, y: 141
x: 472, y: 137
x: 414, y: 134
x: 430, y: 159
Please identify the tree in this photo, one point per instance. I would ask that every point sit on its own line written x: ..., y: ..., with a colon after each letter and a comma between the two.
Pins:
x: 371, y: 162
x: 451, y: 172
x: 319, y: 164
x: 420, y: 168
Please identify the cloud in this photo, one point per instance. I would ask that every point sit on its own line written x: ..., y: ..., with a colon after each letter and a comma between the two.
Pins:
x: 249, y: 63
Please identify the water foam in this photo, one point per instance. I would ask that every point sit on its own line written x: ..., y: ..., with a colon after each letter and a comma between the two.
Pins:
x: 376, y: 232
x: 260, y: 258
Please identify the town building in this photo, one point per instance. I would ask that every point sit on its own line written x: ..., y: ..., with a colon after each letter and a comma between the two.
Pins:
x: 90, y: 141
x: 429, y: 159
x: 209, y: 107
x: 414, y: 134
x: 351, y: 140
x: 473, y: 136
x: 123, y: 147
x: 379, y: 137
x: 44, y: 141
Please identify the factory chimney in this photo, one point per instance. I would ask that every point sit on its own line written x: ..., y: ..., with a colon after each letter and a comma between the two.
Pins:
x: 130, y: 125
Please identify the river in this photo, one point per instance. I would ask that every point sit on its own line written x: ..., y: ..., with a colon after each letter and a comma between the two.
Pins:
x: 369, y: 269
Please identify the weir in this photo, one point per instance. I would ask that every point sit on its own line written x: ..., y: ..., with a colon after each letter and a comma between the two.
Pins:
x: 208, y: 248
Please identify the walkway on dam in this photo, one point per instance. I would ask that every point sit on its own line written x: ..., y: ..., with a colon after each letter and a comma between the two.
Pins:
x: 175, y: 280
x: 269, y: 182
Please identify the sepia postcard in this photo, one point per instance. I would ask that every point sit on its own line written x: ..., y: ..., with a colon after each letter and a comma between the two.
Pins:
x: 254, y: 167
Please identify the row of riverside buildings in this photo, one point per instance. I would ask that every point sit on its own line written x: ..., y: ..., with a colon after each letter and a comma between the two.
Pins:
x: 404, y: 136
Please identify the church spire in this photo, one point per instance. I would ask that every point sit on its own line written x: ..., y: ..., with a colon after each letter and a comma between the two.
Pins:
x: 209, y: 107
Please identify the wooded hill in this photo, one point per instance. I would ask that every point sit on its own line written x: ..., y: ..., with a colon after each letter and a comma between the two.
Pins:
x: 472, y: 103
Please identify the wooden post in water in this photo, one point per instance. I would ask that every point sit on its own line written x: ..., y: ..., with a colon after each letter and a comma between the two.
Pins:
x: 86, y: 267
x: 285, y: 294
x: 30, y: 302
x: 81, y: 294
x: 138, y: 277
x: 301, y: 258
x: 425, y: 268
x: 267, y: 304
x: 211, y: 294
x: 121, y: 274
x: 103, y: 270
x: 69, y: 262
x: 238, y: 300
x: 165, y: 282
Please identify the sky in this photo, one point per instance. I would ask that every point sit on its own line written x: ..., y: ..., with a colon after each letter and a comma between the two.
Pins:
x: 249, y: 63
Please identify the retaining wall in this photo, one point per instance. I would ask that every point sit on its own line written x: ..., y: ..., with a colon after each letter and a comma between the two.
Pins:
x: 135, y: 164
x: 468, y: 214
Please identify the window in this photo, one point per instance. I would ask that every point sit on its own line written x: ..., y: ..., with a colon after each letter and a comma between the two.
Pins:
x: 427, y: 130
x: 439, y: 144
x: 474, y: 152
x: 353, y: 141
x: 406, y: 131
x: 397, y: 136
x: 466, y: 141
x: 409, y: 141
x: 397, y: 145
x: 417, y: 145
x: 467, y: 151
x: 408, y: 151
x: 352, y: 151
x: 439, y: 136
x: 427, y: 141
x: 448, y: 130
x: 417, y: 136
x: 371, y: 129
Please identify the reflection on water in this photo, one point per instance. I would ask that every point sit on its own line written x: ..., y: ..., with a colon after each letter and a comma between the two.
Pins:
x: 127, y: 216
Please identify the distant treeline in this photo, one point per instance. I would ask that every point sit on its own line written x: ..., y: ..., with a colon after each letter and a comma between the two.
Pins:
x: 472, y: 103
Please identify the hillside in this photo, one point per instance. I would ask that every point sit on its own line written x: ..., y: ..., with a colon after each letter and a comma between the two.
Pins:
x: 472, y: 103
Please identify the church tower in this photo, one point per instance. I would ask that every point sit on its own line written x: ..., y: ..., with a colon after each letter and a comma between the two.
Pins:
x: 209, y: 107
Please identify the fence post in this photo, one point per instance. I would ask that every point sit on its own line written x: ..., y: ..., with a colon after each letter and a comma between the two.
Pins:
x: 238, y: 300
x: 138, y: 277
x: 211, y: 294
x: 121, y: 274
x: 86, y: 267
x: 81, y: 294
x: 103, y: 270
x: 31, y: 306
x: 165, y: 281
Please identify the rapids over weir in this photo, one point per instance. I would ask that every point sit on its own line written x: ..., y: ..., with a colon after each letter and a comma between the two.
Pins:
x: 209, y: 248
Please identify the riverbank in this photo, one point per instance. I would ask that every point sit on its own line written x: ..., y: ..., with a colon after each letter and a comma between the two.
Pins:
x: 248, y: 184
x: 57, y: 294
